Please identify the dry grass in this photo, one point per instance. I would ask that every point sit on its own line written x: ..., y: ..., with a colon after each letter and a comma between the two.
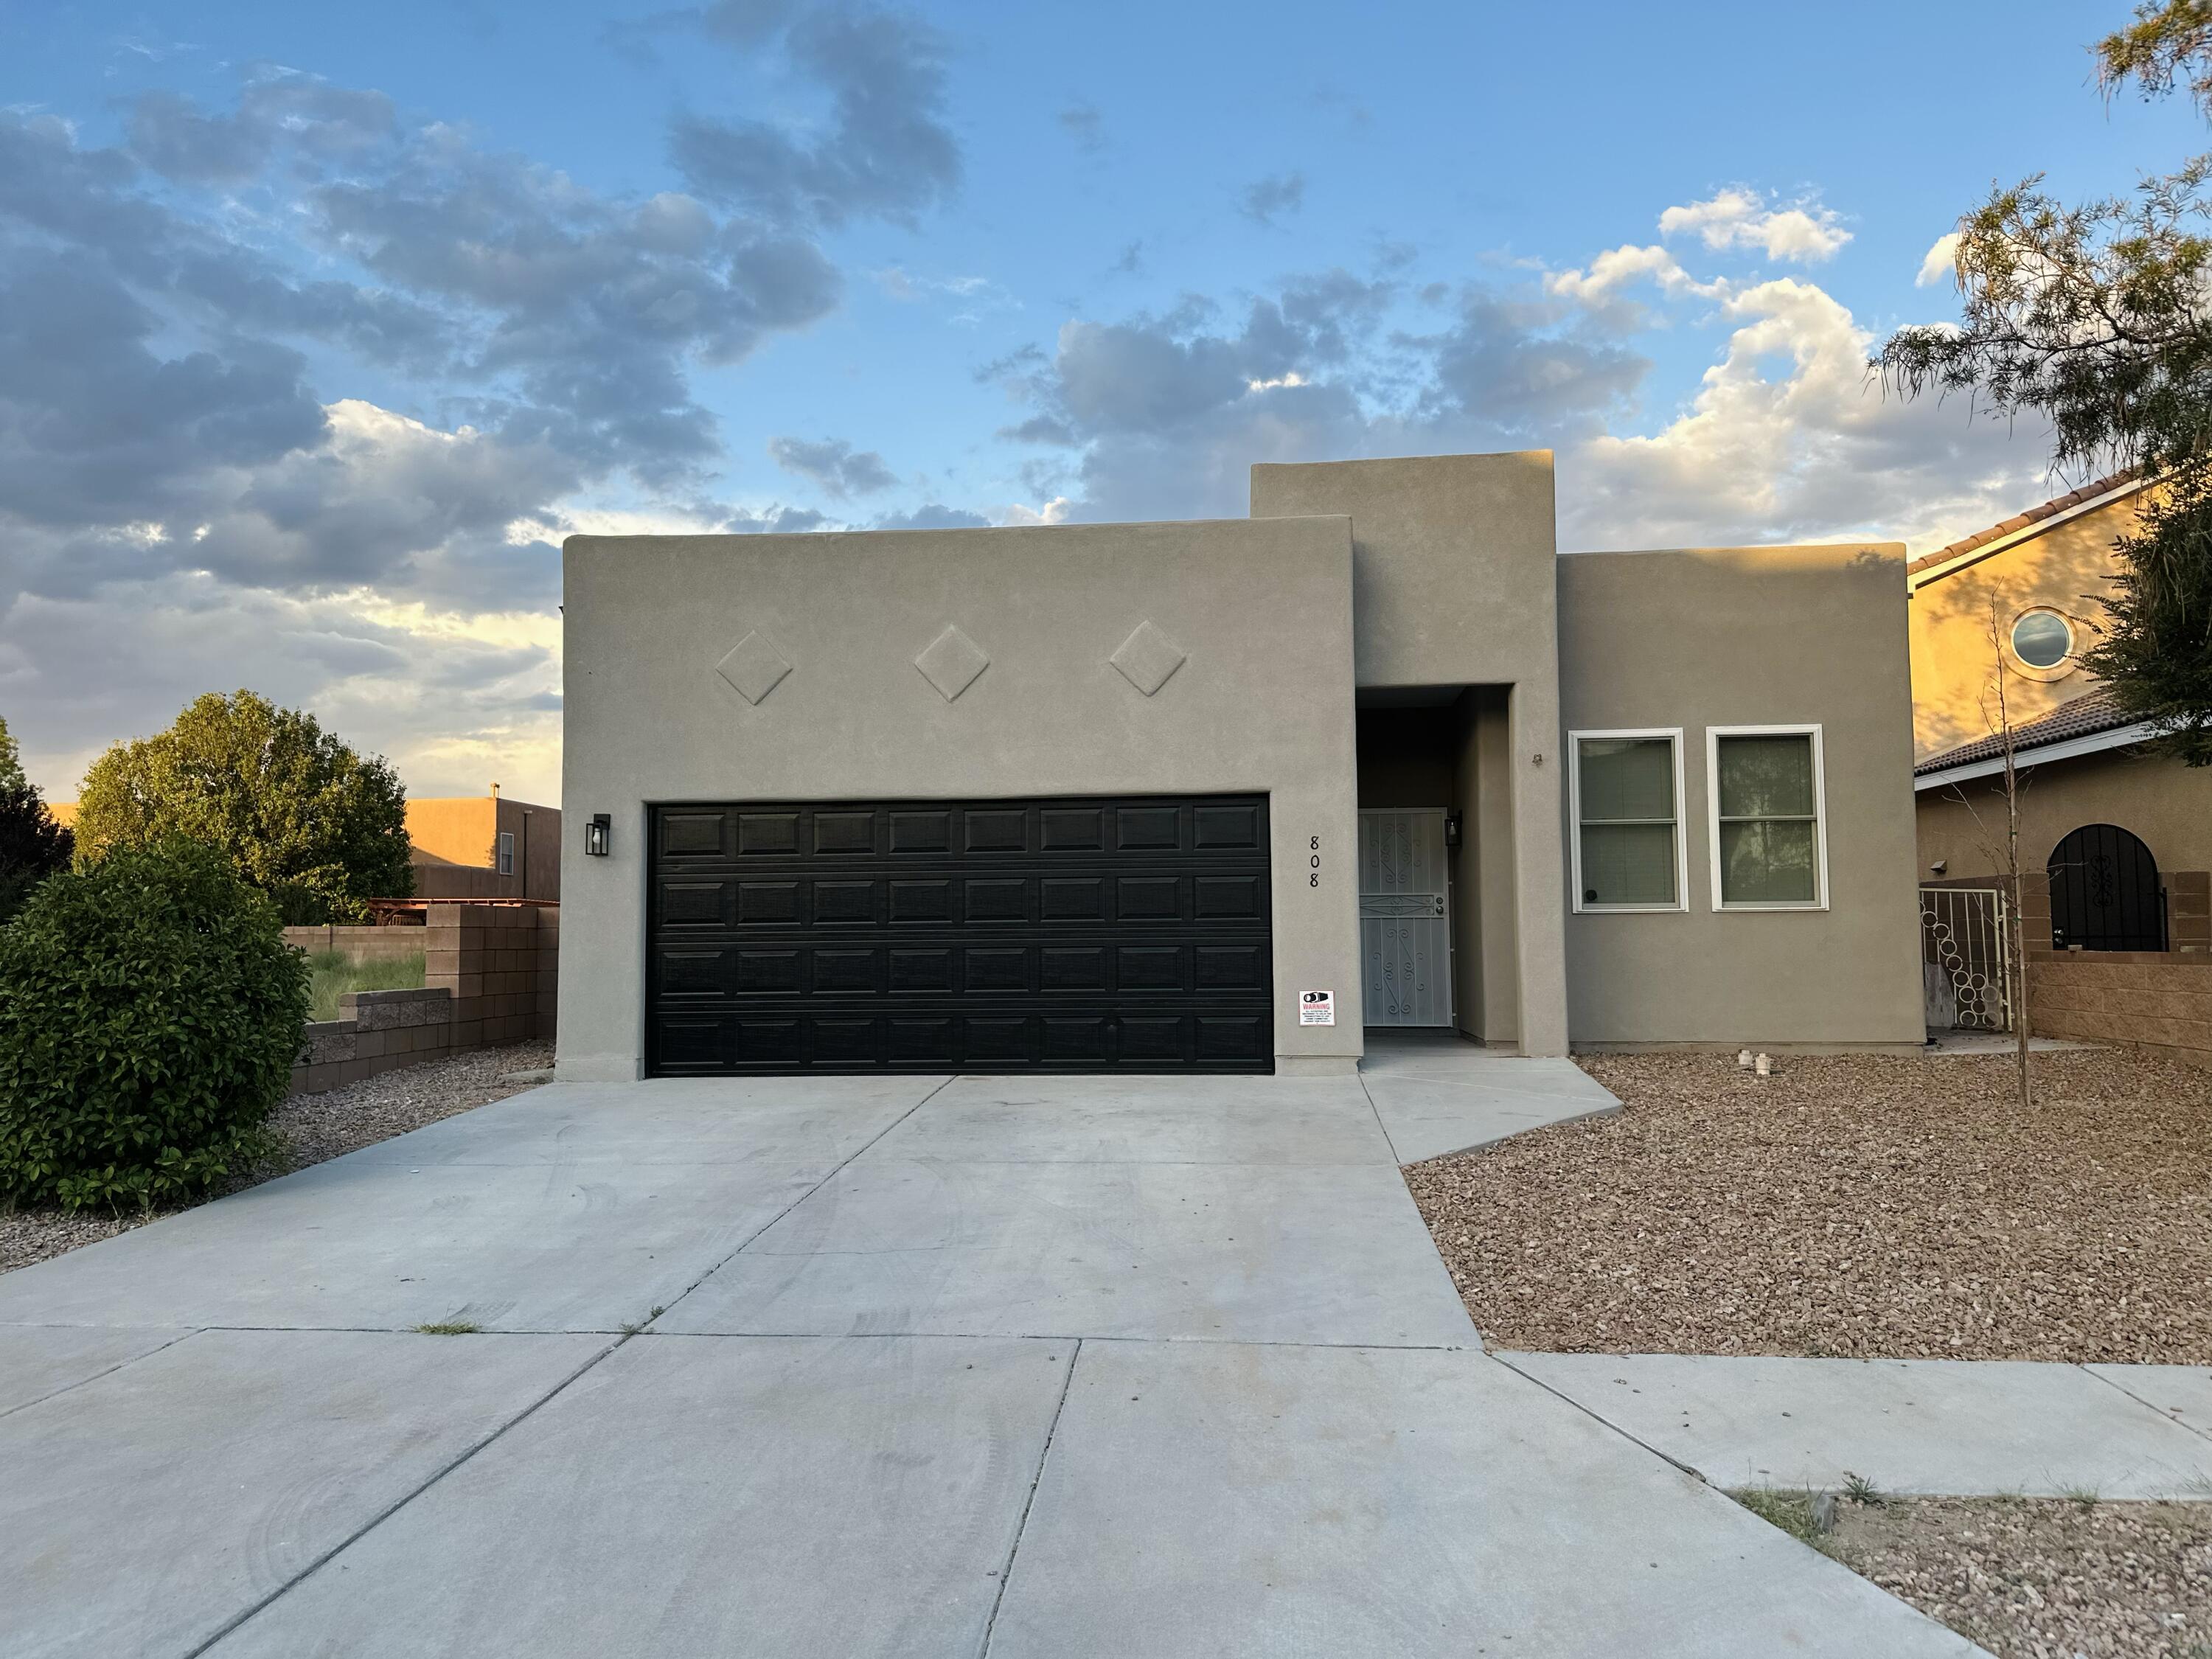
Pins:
x: 2031, y: 1578
x: 314, y: 1127
x: 1856, y: 1205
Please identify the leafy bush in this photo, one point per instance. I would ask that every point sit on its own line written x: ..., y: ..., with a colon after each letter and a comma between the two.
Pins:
x: 149, y: 1014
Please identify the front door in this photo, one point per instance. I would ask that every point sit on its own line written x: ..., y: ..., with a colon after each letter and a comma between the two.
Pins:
x: 1405, y: 918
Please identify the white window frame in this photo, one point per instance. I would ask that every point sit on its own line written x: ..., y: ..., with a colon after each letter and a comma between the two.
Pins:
x: 1713, y: 736
x: 504, y: 859
x: 1674, y: 736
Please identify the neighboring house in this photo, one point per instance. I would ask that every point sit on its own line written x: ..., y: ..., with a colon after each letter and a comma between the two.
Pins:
x: 484, y: 847
x: 2124, y: 835
x: 64, y: 812
x: 1219, y: 796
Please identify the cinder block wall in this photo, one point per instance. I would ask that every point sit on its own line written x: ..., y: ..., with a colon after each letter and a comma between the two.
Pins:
x: 2161, y: 1001
x: 491, y: 975
x: 490, y: 958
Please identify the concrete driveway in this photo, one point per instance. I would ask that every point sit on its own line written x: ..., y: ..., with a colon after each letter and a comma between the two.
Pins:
x: 840, y: 1367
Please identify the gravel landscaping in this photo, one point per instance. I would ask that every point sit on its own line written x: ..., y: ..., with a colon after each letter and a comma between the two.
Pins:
x: 2030, y: 1578
x: 314, y: 1127
x: 1857, y: 1205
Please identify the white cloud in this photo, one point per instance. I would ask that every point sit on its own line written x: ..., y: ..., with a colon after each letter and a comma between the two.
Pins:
x: 1803, y: 233
x: 1621, y: 267
x: 1941, y: 263
x: 1787, y: 440
x: 1054, y: 510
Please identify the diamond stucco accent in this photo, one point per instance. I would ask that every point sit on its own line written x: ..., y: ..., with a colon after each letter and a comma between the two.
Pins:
x: 754, y: 667
x: 951, y: 662
x: 1148, y: 659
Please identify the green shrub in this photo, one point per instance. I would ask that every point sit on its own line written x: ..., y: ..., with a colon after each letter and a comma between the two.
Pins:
x: 149, y: 1014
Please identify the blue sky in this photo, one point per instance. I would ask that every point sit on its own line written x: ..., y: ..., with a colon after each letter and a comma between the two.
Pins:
x: 319, y: 326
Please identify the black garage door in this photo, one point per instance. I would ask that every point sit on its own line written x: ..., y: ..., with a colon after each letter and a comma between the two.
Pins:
x: 1125, y: 934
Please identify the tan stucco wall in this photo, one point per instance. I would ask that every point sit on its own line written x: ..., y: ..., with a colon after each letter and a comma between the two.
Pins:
x: 454, y: 831
x: 1453, y: 585
x: 463, y: 832
x: 2167, y: 804
x: 2066, y: 566
x: 1746, y: 636
x: 1264, y: 703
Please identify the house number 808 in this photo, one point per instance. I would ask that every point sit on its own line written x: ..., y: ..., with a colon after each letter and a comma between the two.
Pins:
x: 1313, y: 875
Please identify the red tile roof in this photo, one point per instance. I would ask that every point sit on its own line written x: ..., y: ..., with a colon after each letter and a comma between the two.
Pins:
x: 2021, y: 521
x: 2087, y: 715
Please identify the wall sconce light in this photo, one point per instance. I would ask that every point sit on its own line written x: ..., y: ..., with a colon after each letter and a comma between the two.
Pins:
x: 597, y: 834
x: 1451, y: 829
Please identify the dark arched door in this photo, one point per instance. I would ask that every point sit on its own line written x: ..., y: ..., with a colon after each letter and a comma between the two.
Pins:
x: 2104, y: 892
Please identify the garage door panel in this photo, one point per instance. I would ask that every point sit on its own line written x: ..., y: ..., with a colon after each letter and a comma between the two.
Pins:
x: 1148, y: 828
x: 1001, y: 935
x: 1072, y: 898
x: 921, y: 971
x: 698, y: 834
x: 767, y: 834
x: 1152, y: 967
x: 921, y: 832
x: 998, y: 899
x: 846, y: 903
x: 697, y: 904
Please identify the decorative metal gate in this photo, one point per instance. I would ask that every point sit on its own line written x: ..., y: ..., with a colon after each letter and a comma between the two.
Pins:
x: 2105, y: 892
x: 1965, y: 956
x: 1404, y: 921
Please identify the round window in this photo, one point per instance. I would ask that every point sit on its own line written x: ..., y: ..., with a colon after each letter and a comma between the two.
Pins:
x: 2042, y: 639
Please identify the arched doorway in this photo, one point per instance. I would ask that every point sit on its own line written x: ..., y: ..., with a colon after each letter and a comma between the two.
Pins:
x: 2104, y: 894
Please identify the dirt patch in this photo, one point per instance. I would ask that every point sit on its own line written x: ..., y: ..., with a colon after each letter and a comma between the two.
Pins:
x: 1856, y: 1205
x: 314, y: 1127
x: 2030, y: 1578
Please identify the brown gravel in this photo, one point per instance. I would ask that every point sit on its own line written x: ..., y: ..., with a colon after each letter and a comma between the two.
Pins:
x: 2036, y: 1579
x: 314, y: 1127
x: 1854, y: 1205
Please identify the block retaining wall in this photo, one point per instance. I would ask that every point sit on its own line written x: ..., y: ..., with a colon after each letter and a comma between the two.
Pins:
x: 2160, y: 1001
x: 491, y: 976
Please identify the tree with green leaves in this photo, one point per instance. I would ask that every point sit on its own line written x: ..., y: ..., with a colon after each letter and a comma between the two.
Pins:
x: 32, y: 846
x: 301, y: 816
x: 2096, y: 319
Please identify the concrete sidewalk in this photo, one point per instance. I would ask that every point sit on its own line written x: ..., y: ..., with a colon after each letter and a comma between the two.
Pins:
x: 1438, y: 1093
x: 1006, y: 1366
x: 1959, y: 1428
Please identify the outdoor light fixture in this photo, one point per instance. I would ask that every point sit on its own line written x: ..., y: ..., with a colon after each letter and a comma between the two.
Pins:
x: 1451, y: 829
x: 597, y: 834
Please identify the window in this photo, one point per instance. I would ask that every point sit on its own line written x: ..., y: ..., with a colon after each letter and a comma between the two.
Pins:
x: 1627, y: 787
x: 2042, y: 639
x: 1769, y: 845
x: 505, y: 853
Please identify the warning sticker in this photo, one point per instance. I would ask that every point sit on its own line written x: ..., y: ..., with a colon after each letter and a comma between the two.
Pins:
x: 1317, y: 1008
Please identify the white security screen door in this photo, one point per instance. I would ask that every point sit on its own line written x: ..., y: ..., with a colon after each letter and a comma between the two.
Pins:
x: 1404, y: 919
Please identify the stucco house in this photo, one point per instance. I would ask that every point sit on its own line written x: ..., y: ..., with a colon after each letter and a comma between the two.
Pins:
x: 2121, y: 835
x: 1226, y: 795
x: 484, y: 847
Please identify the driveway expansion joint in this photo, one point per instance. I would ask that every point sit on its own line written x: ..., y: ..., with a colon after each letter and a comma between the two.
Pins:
x: 393, y: 1508
x: 827, y: 1178
x: 110, y: 1370
x: 1029, y: 1501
